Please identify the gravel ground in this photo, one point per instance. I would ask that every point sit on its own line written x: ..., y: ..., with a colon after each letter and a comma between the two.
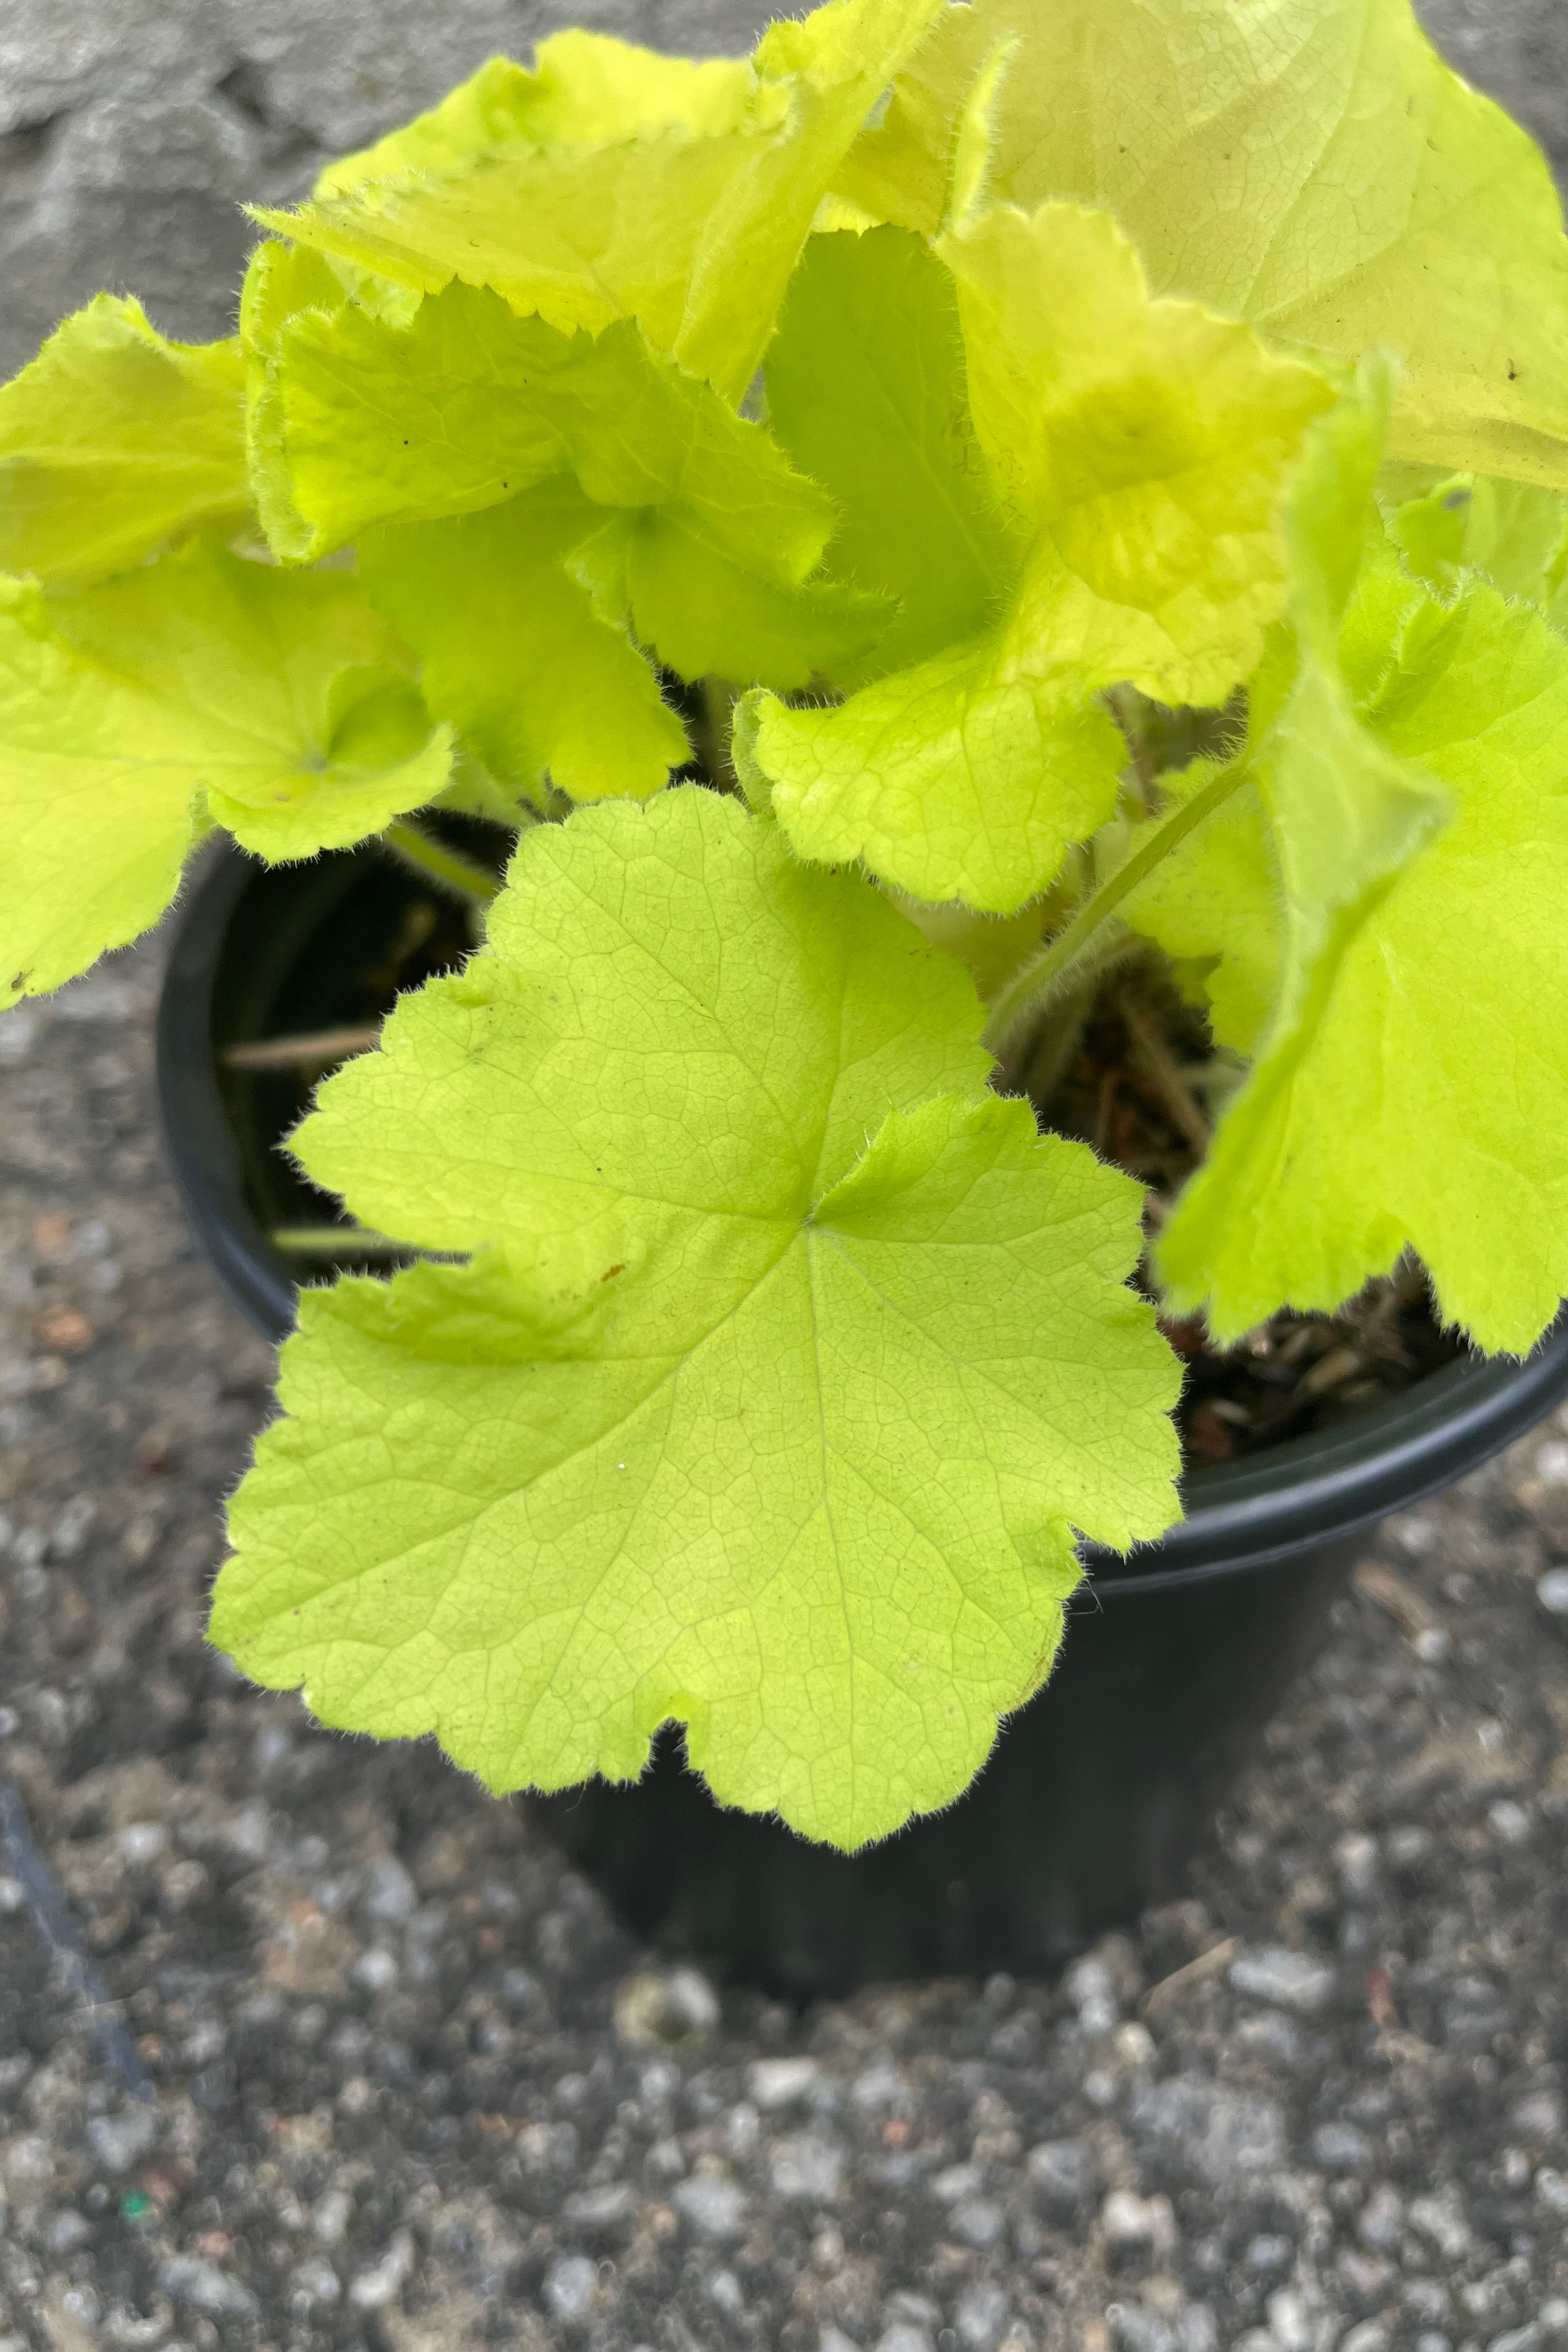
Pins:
x: 407, y: 2087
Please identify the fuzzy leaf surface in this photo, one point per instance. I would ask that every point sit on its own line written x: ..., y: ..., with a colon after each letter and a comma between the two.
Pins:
x: 1138, y: 451
x: 112, y: 440
x: 513, y: 652
x: 787, y: 1364
x: 691, y: 225
x: 1513, y: 534
x: 1312, y: 166
x: 199, y: 688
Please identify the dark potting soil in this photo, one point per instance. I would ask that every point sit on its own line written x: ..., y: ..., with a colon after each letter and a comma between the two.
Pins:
x: 1145, y: 1085
x: 1142, y: 1085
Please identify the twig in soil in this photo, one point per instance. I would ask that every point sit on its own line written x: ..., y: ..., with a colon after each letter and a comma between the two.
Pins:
x: 1160, y: 1069
x: 52, y: 1914
x: 1332, y: 1371
x: 1208, y: 1964
x: 1413, y: 1615
x: 319, y: 1046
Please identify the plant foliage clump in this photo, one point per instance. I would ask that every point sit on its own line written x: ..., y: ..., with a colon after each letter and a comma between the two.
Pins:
x: 1098, y: 471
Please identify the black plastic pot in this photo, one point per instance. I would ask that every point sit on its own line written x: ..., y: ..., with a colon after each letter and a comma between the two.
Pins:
x: 1100, y: 1791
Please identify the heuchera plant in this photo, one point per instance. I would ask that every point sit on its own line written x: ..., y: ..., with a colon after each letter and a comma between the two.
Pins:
x: 964, y: 395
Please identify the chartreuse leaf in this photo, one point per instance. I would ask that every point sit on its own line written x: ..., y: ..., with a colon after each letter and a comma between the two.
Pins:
x: 1398, y: 1097
x: 112, y: 440
x: 713, y: 534
x: 280, y: 281
x: 1137, y: 450
x: 1310, y: 165
x: 966, y: 777
x: 866, y: 394
x: 1141, y: 447
x: 196, y: 688
x: 1424, y: 1102
x: 658, y: 572
x: 691, y: 224
x: 789, y: 1361
x: 1316, y: 817
x: 1514, y: 533
x: 515, y: 655
x: 586, y: 90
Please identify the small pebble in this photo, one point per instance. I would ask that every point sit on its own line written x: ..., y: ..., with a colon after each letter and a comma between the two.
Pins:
x: 1382, y: 2218
x: 1092, y: 1989
x: 1269, y: 2253
x: 571, y: 2285
x: 378, y: 2283
x: 1131, y: 2221
x: 780, y: 2082
x: 1553, y: 1592
x: 1292, y: 1981
x: 956, y: 2181
x: 1551, y: 2190
x: 204, y: 2287
x: 1340, y: 2148
x: 977, y: 2223
x: 142, y: 1842
x: 725, y: 2289
x: 1440, y: 2219
x: 808, y: 2167
x: 330, y: 2216
x: 315, y: 2281
x: 712, y: 2204
x: 979, y: 2316
x: 120, y: 2140
x: 596, y: 2210
x: 390, y: 1894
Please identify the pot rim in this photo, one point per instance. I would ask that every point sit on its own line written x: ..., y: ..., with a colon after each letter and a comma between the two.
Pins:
x: 1302, y: 1495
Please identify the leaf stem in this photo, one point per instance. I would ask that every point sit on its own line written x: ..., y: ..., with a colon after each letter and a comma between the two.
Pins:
x: 329, y: 1241
x: 450, y: 871
x: 1042, y: 979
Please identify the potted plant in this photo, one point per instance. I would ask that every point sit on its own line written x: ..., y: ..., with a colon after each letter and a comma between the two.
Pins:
x: 1003, y: 565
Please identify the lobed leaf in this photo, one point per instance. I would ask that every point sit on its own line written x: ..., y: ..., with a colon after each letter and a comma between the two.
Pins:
x: 515, y: 655
x: 1141, y: 447
x: 703, y: 535
x: 785, y: 1367
x: 198, y: 689
x: 112, y: 441
x: 1312, y: 166
x: 867, y: 396
x: 586, y: 89
x: 1403, y: 1095
x: 1139, y: 451
x: 1513, y: 534
x: 691, y: 225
